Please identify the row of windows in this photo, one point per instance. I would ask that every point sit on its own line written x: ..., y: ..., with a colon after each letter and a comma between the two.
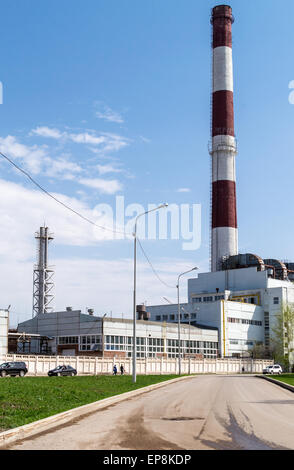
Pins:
x: 207, y: 348
x: 150, y: 347
x: 210, y: 298
x: 236, y: 341
x: 68, y: 340
x: 246, y: 299
x: 173, y: 317
x: 145, y: 347
x: 245, y: 321
x: 192, y: 344
x: 86, y: 342
x: 90, y: 343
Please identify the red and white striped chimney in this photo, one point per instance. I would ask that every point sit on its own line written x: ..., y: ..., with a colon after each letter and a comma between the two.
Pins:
x: 224, y: 237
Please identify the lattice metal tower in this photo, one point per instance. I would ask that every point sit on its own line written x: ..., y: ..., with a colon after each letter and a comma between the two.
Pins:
x: 43, y: 285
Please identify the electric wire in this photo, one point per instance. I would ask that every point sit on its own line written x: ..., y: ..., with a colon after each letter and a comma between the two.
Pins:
x: 153, y: 269
x: 58, y: 200
x: 82, y: 216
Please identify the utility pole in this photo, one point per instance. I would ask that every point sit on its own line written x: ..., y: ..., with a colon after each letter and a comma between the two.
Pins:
x: 134, y: 375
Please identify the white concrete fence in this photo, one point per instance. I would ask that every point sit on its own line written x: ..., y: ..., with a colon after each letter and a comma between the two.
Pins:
x: 85, y: 365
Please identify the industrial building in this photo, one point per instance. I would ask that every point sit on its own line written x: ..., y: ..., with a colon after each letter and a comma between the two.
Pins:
x: 228, y: 311
x: 242, y: 303
x: 74, y: 333
x: 243, y: 293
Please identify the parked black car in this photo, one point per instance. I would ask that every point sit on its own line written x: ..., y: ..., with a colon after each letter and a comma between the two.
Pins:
x: 62, y: 370
x: 13, y: 369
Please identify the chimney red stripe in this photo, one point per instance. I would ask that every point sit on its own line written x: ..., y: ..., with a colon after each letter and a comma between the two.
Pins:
x: 224, y: 213
x: 222, y: 113
x: 222, y: 20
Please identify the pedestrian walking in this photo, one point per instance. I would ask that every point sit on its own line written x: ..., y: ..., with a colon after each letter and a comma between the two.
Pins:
x: 122, y: 369
x: 114, y: 370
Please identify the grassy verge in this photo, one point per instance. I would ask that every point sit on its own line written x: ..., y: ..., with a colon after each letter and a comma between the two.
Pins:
x: 28, y: 399
x: 286, y: 378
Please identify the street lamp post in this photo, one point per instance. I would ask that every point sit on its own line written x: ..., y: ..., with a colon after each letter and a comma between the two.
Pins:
x: 102, y: 328
x: 135, y: 288
x: 179, y: 316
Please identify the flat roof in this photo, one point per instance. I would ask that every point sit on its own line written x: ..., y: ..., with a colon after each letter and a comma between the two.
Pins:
x: 84, y: 317
x: 160, y: 323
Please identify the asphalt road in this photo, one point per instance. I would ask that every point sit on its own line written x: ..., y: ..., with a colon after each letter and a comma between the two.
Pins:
x: 204, y: 412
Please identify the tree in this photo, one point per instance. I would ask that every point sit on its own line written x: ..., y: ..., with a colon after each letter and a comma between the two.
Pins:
x: 260, y: 351
x: 283, y: 336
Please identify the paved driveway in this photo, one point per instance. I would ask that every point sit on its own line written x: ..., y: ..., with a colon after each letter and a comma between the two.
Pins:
x: 204, y: 412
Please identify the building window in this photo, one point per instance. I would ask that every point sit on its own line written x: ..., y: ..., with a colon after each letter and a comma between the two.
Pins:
x: 196, y: 300
x: 155, y: 346
x: 208, y: 299
x: 90, y: 343
x: 158, y: 318
x: 209, y: 349
x: 219, y: 297
x: 68, y: 340
x: 172, y: 317
x: 247, y: 299
x: 276, y: 300
x: 245, y: 321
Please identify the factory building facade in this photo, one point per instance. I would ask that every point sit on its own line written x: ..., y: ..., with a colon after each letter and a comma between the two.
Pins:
x: 73, y: 333
x: 243, y: 294
x: 242, y: 304
x: 229, y: 310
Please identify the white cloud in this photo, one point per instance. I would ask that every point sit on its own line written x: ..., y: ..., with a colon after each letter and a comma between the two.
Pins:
x: 44, y: 131
x: 104, y: 169
x: 102, y: 143
x: 80, y: 281
x: 23, y: 211
x: 108, y: 114
x: 33, y: 156
x: 112, y: 143
x: 104, y: 186
x: 183, y: 190
x: 37, y: 159
x: 63, y: 168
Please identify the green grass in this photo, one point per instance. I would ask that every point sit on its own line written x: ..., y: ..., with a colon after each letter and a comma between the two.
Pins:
x: 287, y: 378
x: 28, y: 399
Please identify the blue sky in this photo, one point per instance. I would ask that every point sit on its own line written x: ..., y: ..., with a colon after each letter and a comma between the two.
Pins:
x: 106, y: 98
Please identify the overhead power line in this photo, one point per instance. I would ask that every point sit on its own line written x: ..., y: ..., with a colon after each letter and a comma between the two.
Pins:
x: 56, y: 199
x: 86, y: 219
x: 153, y: 269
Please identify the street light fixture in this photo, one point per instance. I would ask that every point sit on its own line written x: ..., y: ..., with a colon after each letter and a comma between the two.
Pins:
x: 135, y: 287
x: 179, y: 316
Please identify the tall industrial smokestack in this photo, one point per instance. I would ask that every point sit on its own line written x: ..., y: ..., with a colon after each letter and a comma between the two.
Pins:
x: 224, y: 237
x: 43, y: 275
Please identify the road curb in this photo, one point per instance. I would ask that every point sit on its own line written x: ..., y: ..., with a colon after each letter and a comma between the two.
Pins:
x: 277, y: 382
x: 46, y: 424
